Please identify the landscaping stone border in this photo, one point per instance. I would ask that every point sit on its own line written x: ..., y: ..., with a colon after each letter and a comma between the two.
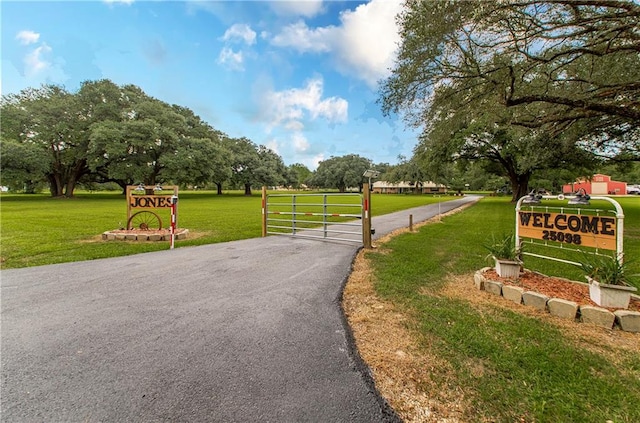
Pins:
x: 122, y: 235
x: 626, y: 320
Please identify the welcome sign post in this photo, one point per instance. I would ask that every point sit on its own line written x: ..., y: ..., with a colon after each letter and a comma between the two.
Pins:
x: 570, y: 228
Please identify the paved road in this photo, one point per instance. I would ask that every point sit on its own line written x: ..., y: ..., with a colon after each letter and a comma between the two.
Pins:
x: 245, y: 331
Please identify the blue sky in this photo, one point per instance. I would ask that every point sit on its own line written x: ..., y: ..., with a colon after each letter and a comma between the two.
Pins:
x: 299, y: 77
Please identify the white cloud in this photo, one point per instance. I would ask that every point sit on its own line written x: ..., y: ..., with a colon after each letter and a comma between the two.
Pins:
x: 273, y: 146
x: 314, y: 162
x: 291, y: 106
x: 127, y: 2
x: 27, y: 37
x: 369, y: 39
x: 241, y: 32
x: 307, y: 8
x: 300, y: 143
x: 364, y: 45
x: 294, y: 125
x: 231, y: 60
x: 35, y: 62
x: 304, y: 39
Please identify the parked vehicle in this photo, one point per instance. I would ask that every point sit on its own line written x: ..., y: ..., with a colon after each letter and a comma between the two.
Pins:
x: 633, y: 189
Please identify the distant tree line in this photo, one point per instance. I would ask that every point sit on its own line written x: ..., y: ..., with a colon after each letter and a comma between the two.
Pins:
x: 118, y: 135
x: 106, y: 133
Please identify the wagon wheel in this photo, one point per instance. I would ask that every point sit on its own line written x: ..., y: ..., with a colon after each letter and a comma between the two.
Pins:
x: 145, y: 220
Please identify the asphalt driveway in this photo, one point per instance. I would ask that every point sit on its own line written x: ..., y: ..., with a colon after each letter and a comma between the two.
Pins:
x: 245, y: 331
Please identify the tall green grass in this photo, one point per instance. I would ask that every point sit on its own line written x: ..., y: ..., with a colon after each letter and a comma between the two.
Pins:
x: 38, y: 229
x: 524, y: 368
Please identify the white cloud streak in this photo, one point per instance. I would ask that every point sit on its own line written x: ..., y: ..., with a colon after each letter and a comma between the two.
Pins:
x: 242, y: 32
x: 231, y: 60
x: 27, y: 37
x: 35, y: 62
x: 290, y: 107
x: 300, y: 143
x: 306, y: 8
x: 127, y: 2
x: 304, y: 39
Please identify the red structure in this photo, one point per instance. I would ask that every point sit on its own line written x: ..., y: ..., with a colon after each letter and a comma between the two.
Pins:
x: 598, y: 185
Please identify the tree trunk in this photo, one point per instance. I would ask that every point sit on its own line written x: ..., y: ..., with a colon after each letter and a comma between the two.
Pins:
x: 55, y: 185
x: 78, y: 170
x: 70, y: 186
x: 247, y: 189
x: 219, y: 188
x: 519, y: 186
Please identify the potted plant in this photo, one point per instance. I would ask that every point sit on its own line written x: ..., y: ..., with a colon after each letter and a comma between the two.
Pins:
x: 607, y: 279
x: 506, y: 256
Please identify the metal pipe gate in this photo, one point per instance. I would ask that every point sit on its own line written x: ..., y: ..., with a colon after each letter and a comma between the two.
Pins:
x: 338, y: 217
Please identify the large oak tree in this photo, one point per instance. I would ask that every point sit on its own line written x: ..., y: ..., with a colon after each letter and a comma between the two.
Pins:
x: 106, y: 133
x: 568, y: 70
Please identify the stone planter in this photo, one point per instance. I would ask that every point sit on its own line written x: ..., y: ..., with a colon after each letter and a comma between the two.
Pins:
x: 507, y: 268
x: 610, y: 296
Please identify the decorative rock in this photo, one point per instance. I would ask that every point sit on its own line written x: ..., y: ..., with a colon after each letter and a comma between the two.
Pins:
x: 629, y: 321
x: 493, y: 287
x: 598, y: 316
x: 135, y: 235
x: 478, y: 280
x: 535, y: 300
x: 513, y: 293
x: 562, y: 308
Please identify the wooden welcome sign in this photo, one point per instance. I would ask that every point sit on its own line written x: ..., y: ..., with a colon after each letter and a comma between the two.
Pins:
x: 145, y: 219
x: 565, y: 228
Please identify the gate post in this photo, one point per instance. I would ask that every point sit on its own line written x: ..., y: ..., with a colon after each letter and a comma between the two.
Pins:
x: 366, y: 216
x: 264, y: 211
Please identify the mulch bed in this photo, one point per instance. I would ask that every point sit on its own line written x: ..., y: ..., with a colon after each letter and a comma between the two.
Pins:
x: 554, y: 288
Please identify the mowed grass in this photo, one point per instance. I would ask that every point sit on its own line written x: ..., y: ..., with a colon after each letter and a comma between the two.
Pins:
x: 509, y: 366
x: 38, y: 229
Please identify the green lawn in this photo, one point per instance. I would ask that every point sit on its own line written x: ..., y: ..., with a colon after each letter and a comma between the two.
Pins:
x: 38, y: 229
x: 530, y: 370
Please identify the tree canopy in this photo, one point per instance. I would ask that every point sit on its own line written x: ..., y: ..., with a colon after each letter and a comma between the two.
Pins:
x: 569, y: 67
x: 519, y: 85
x: 110, y: 133
x: 408, y: 170
x: 341, y: 172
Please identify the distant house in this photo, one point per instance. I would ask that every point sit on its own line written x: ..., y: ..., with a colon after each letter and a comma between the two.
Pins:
x: 598, y: 185
x: 384, y: 187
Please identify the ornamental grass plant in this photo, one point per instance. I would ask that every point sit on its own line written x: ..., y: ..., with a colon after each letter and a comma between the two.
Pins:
x: 606, y: 269
x: 503, y: 248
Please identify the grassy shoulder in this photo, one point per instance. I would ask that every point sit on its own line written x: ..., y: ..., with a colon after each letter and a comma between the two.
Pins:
x: 488, y: 360
x: 37, y: 229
